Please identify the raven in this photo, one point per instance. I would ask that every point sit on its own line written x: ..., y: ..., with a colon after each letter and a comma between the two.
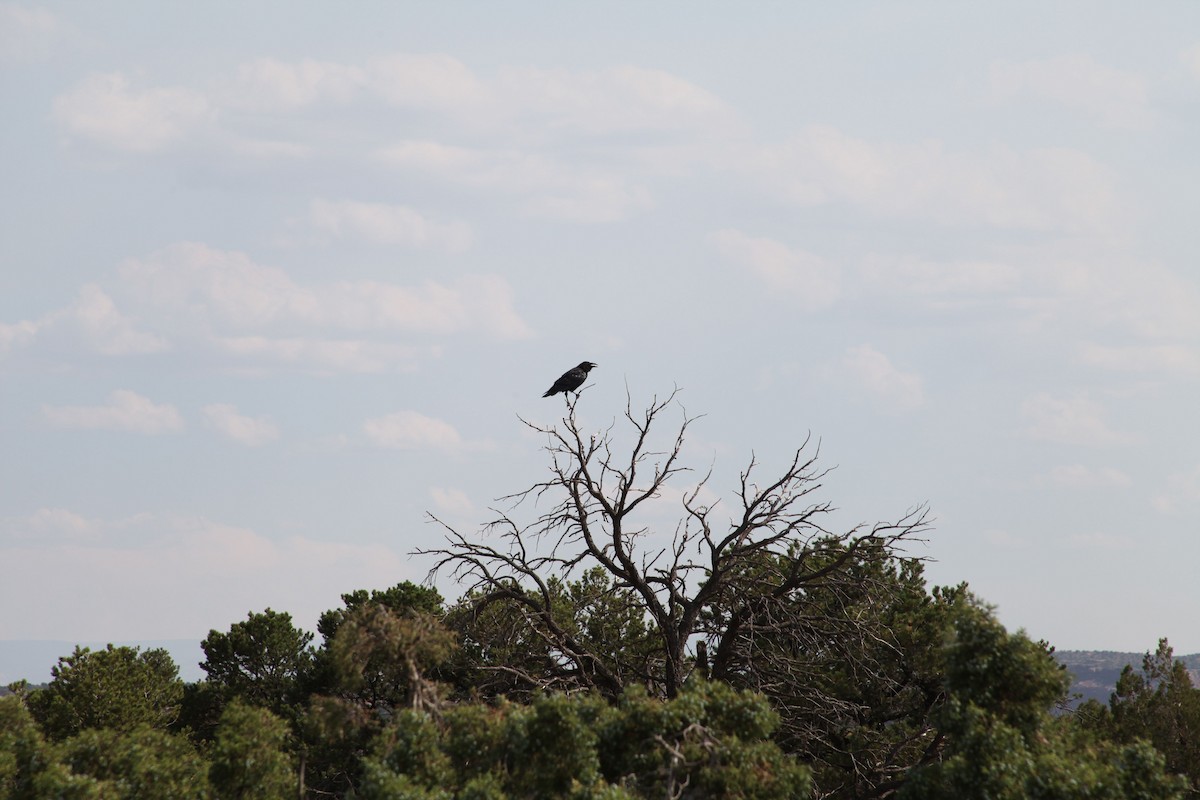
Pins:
x: 571, y: 380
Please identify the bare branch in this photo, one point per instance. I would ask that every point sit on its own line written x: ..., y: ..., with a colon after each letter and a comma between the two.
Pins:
x: 774, y: 598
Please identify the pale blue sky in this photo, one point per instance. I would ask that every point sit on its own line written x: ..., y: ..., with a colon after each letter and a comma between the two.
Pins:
x: 278, y: 278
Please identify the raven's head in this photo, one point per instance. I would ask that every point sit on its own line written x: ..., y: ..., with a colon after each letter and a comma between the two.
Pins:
x: 587, y: 366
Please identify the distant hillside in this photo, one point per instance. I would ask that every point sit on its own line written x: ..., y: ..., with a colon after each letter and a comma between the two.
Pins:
x: 1096, y: 671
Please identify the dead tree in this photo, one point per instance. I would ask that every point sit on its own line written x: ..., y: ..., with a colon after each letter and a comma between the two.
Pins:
x: 724, y: 581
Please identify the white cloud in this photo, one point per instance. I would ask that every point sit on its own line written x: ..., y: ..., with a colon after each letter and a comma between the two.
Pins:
x: 107, y: 329
x: 1005, y: 539
x: 1047, y: 189
x: 614, y: 100
x: 16, y: 334
x: 451, y: 501
x: 939, y: 281
x: 1102, y: 541
x: 807, y: 279
x: 1182, y: 490
x: 1090, y: 285
x: 535, y: 103
x: 227, y: 288
x: 1079, y: 476
x: 873, y: 371
x: 191, y: 277
x: 105, y: 109
x: 270, y: 85
x: 543, y: 185
x: 435, y: 156
x: 209, y: 574
x: 325, y: 355
x: 1151, y: 300
x: 92, y: 321
x: 409, y: 430
x: 617, y: 99
x: 1113, y: 97
x: 261, y: 114
x: 1190, y: 58
x: 251, y: 431
x: 188, y: 295
x: 1069, y: 420
x: 26, y: 34
x: 431, y: 81
x: 586, y: 196
x: 47, y: 524
x: 1171, y: 359
x: 270, y: 148
x: 126, y: 411
x: 388, y: 224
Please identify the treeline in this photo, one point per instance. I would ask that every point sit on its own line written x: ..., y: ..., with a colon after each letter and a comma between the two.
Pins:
x: 752, y: 653
x: 401, y: 700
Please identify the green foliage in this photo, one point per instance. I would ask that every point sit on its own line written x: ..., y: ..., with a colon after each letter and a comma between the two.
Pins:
x: 411, y: 747
x: 854, y: 667
x: 1003, y: 744
x: 865, y: 685
x: 117, y: 688
x: 401, y: 598
x: 503, y: 653
x: 1015, y: 679
x: 603, y: 618
x: 23, y: 749
x: 334, y: 733
x: 261, y: 660
x: 552, y: 746
x: 374, y: 627
x: 249, y: 758
x: 200, y: 709
x: 1159, y: 705
x: 935, y: 701
x: 380, y: 655
x: 141, y: 764
x: 711, y: 739
x: 377, y: 659
x: 990, y: 760
x: 138, y: 763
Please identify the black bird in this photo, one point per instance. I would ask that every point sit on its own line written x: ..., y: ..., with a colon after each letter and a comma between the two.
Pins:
x: 571, y: 380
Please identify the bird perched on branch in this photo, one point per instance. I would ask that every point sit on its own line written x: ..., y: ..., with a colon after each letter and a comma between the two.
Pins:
x: 571, y: 380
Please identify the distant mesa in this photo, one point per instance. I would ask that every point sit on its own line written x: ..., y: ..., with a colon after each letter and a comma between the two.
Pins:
x: 1095, y: 672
